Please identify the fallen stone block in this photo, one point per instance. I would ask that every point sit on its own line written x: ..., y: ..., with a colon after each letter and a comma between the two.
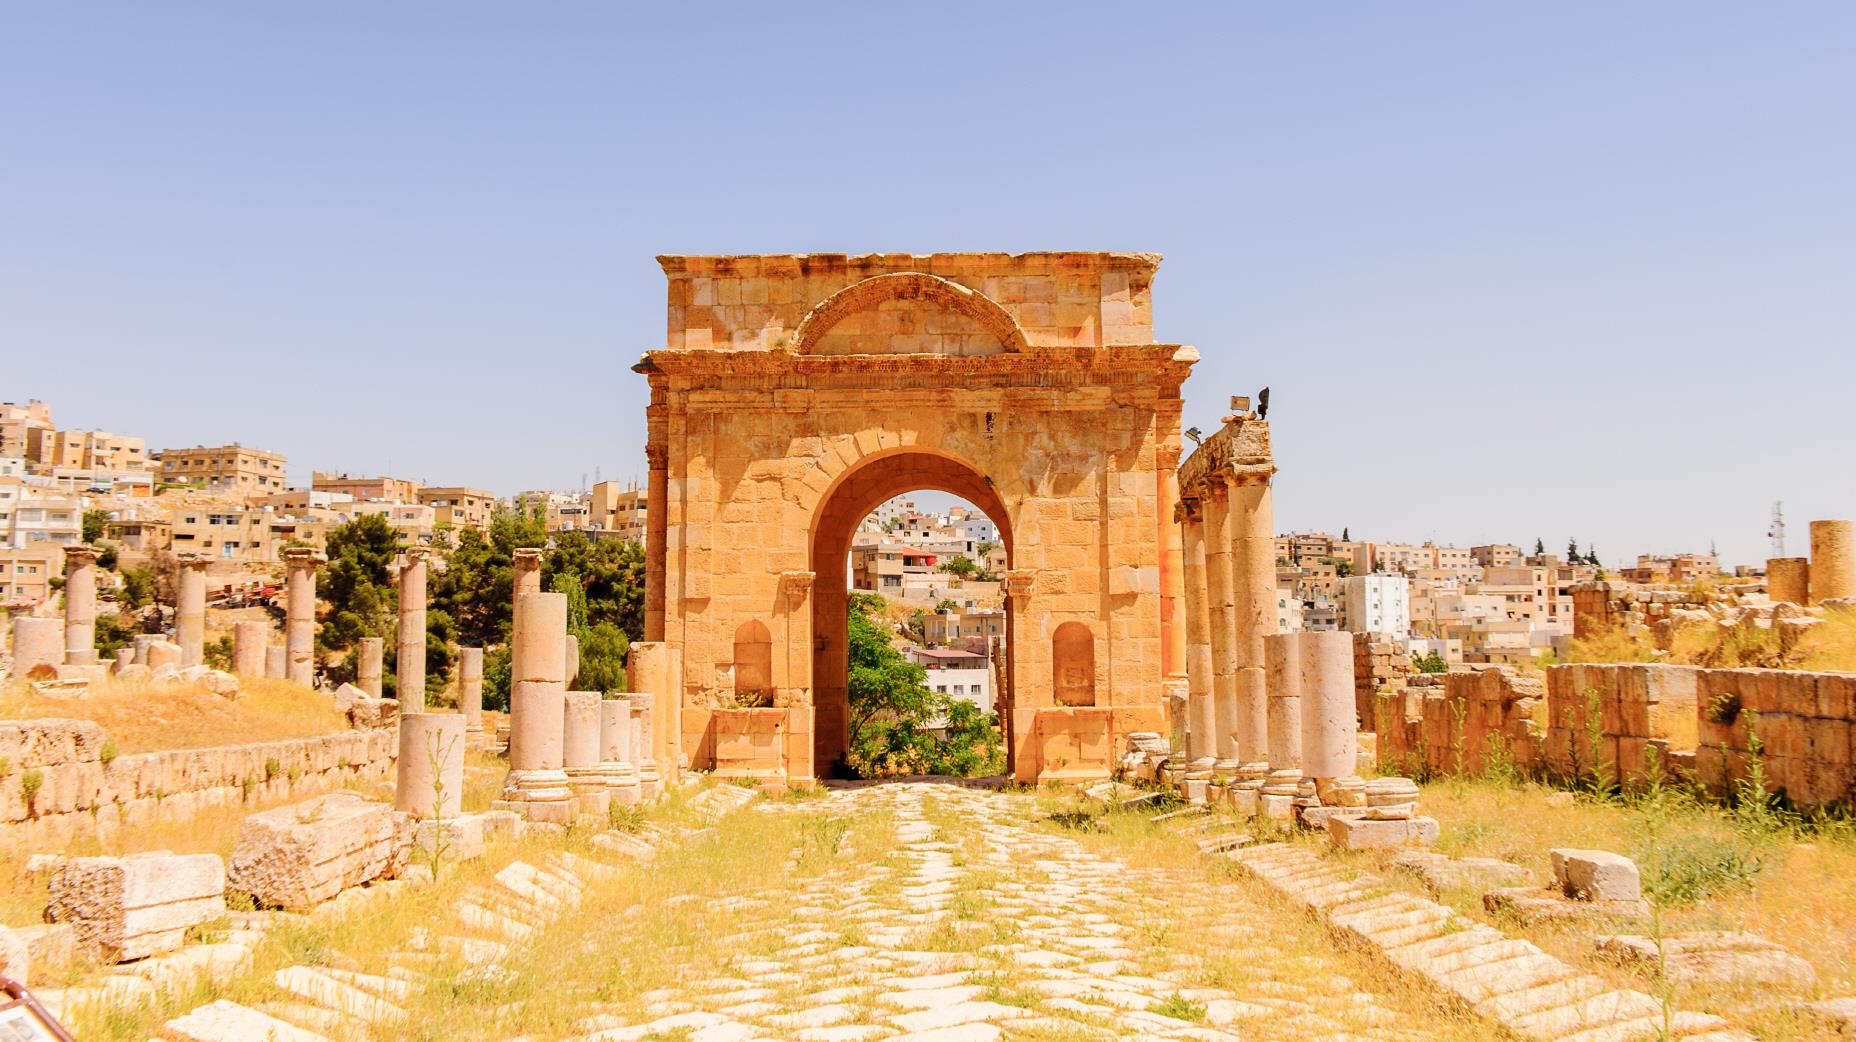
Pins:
x: 501, y: 824
x: 1714, y: 957
x: 1838, y: 1013
x: 132, y: 907
x: 1440, y: 872
x: 374, y: 713
x: 15, y: 957
x: 1360, y: 833
x: 219, y: 683
x: 224, y: 1021
x: 50, y: 945
x: 1595, y: 875
x: 454, y: 839
x: 306, y: 853
x: 346, y: 696
x: 1529, y: 905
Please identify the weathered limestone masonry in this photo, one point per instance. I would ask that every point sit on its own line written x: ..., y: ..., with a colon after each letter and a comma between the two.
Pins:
x: 368, y: 659
x: 1705, y: 720
x: 581, y: 744
x: 537, y: 786
x: 300, y: 614
x: 615, y: 750
x: 248, y: 640
x: 1788, y: 579
x: 1833, y: 560
x: 132, y: 907
x: 80, y: 797
x: 470, y: 692
x: 190, y: 616
x: 80, y: 605
x: 1224, y: 488
x: 409, y: 656
x: 38, y: 647
x: 1461, y: 721
x: 795, y: 393
x: 1599, y: 606
x: 1378, y: 667
x: 431, y: 765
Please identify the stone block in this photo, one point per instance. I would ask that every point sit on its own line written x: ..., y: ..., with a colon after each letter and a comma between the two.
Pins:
x: 49, y: 945
x: 15, y: 957
x: 306, y: 853
x: 1714, y: 957
x: 131, y: 907
x: 225, y: 1021
x: 1595, y: 875
x: 1358, y: 833
x: 1529, y: 905
x: 500, y: 824
x: 462, y: 838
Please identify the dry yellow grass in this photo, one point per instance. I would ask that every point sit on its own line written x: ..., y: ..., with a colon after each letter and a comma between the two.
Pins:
x: 1828, y: 646
x: 144, y: 718
x: 1803, y: 897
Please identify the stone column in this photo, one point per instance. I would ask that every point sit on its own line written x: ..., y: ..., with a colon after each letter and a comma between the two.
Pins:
x: 1173, y: 637
x: 581, y: 742
x: 615, y: 750
x: 37, y: 644
x: 125, y: 657
x: 527, y: 565
x: 80, y: 605
x: 1018, y: 709
x: 190, y: 617
x: 1330, y: 730
x: 650, y: 785
x: 431, y: 765
x: 1222, y: 611
x: 537, y: 785
x: 470, y: 690
x: 1202, y: 722
x: 649, y: 672
x: 368, y: 657
x: 1788, y: 579
x: 1833, y: 560
x: 1253, y: 566
x: 656, y: 529
x: 248, y: 647
x: 1282, y: 670
x: 276, y: 662
x: 409, y: 657
x: 300, y: 614
x: 573, y: 659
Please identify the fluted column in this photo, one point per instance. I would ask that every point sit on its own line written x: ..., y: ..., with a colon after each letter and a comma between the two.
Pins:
x: 300, y: 614
x: 80, y: 605
x: 409, y: 657
x: 190, y: 615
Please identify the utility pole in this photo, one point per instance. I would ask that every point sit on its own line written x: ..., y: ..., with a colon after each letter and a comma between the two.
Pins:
x: 1777, y: 531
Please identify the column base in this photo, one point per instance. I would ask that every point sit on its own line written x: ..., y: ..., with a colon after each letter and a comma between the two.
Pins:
x: 552, y: 812
x: 1255, y: 770
x: 538, y: 795
x: 650, y: 786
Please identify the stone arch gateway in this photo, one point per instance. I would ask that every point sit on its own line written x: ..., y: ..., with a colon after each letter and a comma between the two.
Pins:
x: 796, y: 392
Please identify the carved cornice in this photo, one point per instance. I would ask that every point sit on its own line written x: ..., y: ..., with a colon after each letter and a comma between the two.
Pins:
x: 796, y: 586
x: 1238, y: 454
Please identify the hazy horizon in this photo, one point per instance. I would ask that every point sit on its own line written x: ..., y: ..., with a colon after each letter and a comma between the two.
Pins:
x: 1582, y: 271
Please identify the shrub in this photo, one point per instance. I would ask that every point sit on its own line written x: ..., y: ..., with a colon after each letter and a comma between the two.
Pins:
x: 30, y: 783
x: 108, y: 753
x: 1686, y: 869
x: 271, y: 767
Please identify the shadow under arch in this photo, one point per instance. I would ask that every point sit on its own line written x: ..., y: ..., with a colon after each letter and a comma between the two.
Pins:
x: 874, y: 479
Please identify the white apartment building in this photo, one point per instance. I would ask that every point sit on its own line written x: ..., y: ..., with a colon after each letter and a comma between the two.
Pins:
x: 1377, y: 604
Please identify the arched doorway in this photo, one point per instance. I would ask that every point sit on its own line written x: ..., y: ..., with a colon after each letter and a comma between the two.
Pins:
x: 845, y: 505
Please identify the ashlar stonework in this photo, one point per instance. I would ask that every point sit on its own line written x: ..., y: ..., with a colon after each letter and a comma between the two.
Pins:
x: 796, y: 393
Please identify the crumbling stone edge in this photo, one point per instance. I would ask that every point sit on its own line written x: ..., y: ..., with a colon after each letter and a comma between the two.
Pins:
x: 1504, y: 979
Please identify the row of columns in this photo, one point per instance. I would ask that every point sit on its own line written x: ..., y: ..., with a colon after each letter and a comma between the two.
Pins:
x: 1229, y: 569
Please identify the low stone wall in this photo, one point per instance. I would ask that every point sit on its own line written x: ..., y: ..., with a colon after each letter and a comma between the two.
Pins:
x: 1605, y: 718
x: 1465, y: 721
x: 77, y: 795
x: 1378, y: 666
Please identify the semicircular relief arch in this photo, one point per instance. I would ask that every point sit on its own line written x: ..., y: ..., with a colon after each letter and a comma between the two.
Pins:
x: 908, y: 313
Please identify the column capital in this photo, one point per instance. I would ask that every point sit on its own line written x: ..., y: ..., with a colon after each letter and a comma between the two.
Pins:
x: 193, y: 560
x: 1248, y: 472
x: 1019, y: 581
x: 526, y: 555
x: 414, y: 555
x: 657, y: 456
x: 81, y: 554
x: 796, y: 586
x: 1189, y: 510
x: 304, y: 557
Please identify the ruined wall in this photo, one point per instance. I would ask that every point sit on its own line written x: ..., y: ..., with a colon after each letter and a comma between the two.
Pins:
x: 80, y: 796
x: 1465, y: 721
x: 1660, y: 609
x: 1703, y: 722
x: 1378, y: 666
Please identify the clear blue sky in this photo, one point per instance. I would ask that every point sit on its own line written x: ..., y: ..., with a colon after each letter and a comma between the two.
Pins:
x: 1579, y: 269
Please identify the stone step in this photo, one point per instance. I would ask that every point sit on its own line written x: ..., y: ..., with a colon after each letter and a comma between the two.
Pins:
x: 319, y: 987
x: 1608, y: 1007
x: 224, y: 1021
x: 320, y: 1018
x: 389, y: 988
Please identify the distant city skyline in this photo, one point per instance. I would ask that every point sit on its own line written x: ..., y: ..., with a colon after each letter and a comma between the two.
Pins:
x: 1509, y: 272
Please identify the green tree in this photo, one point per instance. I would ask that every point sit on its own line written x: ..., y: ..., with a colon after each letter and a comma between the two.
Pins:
x: 602, y: 658
x: 1540, y: 547
x: 138, y: 587
x: 985, y: 549
x: 889, y: 696
x: 1344, y: 536
x: 947, y: 604
x: 1572, y: 551
x: 1431, y: 663
x: 960, y: 565
x: 357, y: 583
x: 93, y: 523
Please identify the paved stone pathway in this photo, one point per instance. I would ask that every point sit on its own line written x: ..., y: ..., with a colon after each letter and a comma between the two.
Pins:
x: 982, y: 924
x: 901, y: 912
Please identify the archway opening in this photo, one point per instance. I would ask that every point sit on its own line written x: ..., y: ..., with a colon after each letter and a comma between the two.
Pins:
x: 927, y: 534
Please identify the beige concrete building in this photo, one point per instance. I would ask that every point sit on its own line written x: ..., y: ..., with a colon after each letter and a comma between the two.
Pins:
x: 18, y: 424
x: 384, y: 489
x: 617, y: 507
x: 31, y: 515
x: 460, y: 507
x: 26, y: 574
x: 232, y: 469
x: 1496, y: 555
